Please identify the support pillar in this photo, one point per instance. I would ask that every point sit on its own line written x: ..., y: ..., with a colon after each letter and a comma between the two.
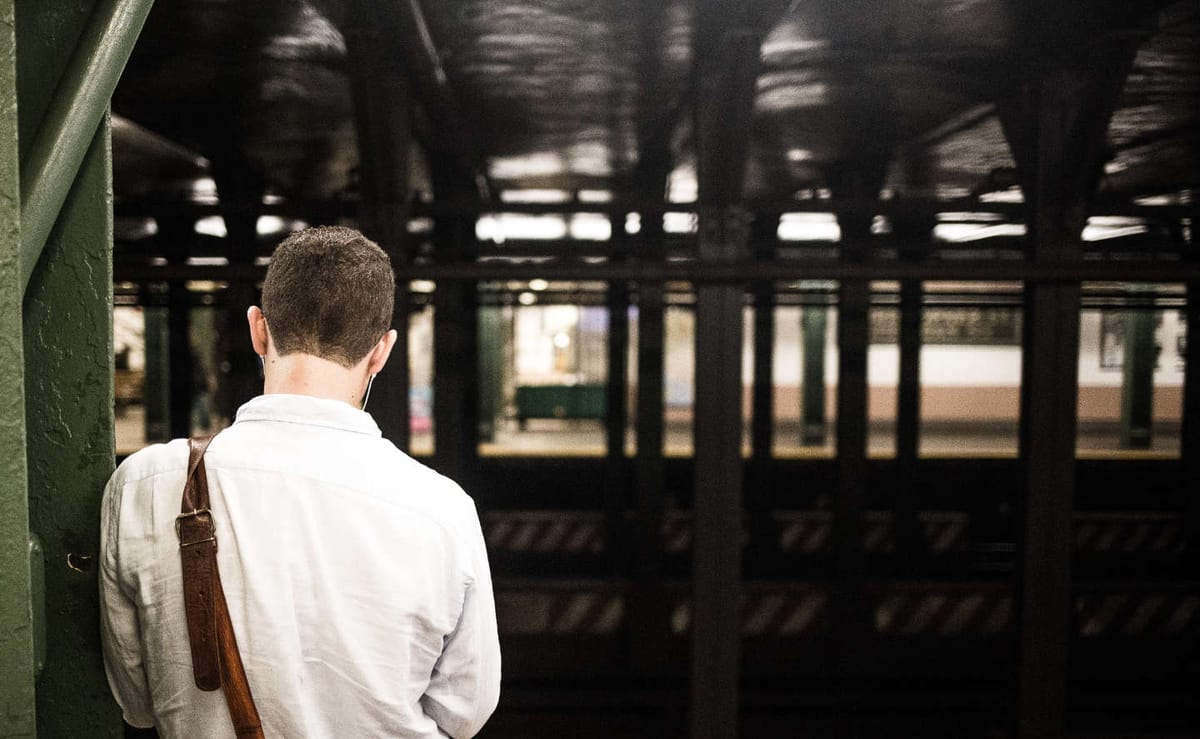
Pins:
x: 616, y: 408
x: 455, y: 337
x: 760, y: 496
x: 725, y: 88
x: 17, y: 702
x: 176, y: 239
x: 181, y: 361
x: 68, y: 352
x: 914, y: 232
x: 383, y: 123
x: 1047, y: 450
x: 1137, y: 381
x: 1189, y: 442
x: 716, y: 553
x: 858, y: 181
x: 649, y: 611
x: 156, y: 392
x: 1055, y: 124
x: 492, y: 330
x: 69, y: 412
x: 813, y: 325
x: 240, y: 191
x: 762, y: 427
x: 649, y: 608
x: 641, y: 541
x: 616, y: 415
x: 68, y: 346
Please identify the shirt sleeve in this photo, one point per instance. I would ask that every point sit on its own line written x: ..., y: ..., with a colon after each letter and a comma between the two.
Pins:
x: 120, y: 636
x: 465, y: 686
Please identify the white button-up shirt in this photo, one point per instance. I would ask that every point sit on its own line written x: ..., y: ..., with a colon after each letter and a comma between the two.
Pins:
x: 357, y: 582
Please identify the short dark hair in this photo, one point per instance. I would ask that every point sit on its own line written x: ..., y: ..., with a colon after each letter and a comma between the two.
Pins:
x: 329, y: 293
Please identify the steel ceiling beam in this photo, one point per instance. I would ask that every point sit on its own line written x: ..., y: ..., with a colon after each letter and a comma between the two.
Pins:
x: 1184, y: 132
x: 683, y: 247
x: 657, y: 118
x: 964, y: 121
x: 415, y: 50
x: 956, y: 270
x: 331, y: 210
x: 1056, y: 124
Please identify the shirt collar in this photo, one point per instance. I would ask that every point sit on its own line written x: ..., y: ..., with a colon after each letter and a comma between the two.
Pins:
x: 307, y: 410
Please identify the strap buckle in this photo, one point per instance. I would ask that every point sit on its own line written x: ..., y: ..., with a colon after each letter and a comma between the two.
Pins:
x: 212, y: 527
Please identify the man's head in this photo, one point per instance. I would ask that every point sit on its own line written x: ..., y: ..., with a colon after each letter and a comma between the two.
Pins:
x: 328, y: 293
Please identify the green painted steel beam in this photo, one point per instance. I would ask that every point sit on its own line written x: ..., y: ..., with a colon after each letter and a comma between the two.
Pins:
x: 1137, y: 386
x: 70, y: 437
x: 66, y: 320
x: 16, y: 613
x: 812, y: 408
x: 69, y: 124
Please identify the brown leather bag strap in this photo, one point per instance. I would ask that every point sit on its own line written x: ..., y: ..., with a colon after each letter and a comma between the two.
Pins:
x: 198, y: 556
x: 216, y: 662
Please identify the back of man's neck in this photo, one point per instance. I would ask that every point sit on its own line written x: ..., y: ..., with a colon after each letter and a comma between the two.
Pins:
x: 306, y: 374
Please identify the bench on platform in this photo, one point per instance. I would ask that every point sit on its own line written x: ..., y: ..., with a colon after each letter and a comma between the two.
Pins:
x: 560, y: 401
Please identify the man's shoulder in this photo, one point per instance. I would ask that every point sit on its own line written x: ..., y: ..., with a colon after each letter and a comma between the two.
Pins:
x: 372, y: 465
x: 425, y: 480
x: 418, y: 486
x: 156, y: 459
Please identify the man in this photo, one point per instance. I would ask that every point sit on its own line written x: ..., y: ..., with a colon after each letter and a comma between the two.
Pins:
x: 357, y: 579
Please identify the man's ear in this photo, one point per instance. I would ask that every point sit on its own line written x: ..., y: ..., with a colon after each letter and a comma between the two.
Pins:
x: 258, y: 330
x: 379, y: 355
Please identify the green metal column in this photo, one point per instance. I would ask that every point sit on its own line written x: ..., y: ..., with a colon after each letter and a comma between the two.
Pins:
x: 1056, y: 124
x: 16, y: 632
x: 69, y: 393
x: 67, y: 52
x: 379, y: 87
x: 812, y: 404
x: 156, y: 395
x: 491, y: 370
x: 1137, y: 387
x: 455, y: 334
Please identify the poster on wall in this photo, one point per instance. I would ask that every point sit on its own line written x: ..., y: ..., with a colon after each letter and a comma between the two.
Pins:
x: 953, y: 326
x: 1112, y: 340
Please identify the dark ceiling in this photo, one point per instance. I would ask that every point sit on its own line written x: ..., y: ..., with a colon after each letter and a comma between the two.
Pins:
x: 573, y: 94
